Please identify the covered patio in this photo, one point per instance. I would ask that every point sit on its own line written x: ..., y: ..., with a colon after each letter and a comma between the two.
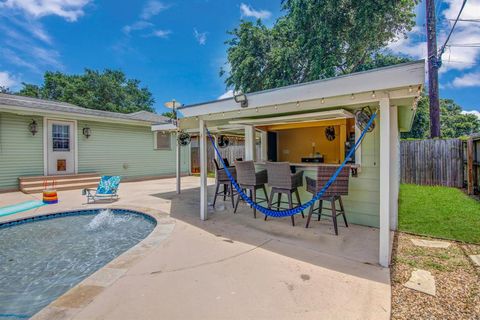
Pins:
x: 316, y: 106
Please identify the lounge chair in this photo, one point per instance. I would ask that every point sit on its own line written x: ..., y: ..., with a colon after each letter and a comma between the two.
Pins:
x: 106, y: 190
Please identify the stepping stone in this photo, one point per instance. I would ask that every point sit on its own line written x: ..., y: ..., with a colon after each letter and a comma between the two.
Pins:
x: 430, y: 243
x: 423, y: 281
x: 475, y: 259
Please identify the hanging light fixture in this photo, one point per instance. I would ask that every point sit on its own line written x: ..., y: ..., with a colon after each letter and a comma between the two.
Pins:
x: 33, y: 127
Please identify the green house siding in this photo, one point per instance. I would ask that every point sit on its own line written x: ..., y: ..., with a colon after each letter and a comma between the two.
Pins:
x: 21, y: 153
x: 126, y: 150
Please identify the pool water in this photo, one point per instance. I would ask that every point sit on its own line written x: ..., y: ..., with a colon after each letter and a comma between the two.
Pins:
x: 40, y: 260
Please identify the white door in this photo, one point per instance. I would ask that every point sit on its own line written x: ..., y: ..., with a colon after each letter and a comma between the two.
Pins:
x: 60, y: 147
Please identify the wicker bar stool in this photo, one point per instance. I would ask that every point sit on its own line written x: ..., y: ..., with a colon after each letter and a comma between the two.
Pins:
x: 221, y: 178
x: 334, y: 193
x: 281, y: 180
x: 250, y: 180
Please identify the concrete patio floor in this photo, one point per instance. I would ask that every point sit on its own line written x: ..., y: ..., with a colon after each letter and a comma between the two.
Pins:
x: 233, y: 266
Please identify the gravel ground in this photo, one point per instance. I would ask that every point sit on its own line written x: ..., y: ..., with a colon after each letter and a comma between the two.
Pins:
x: 457, y: 281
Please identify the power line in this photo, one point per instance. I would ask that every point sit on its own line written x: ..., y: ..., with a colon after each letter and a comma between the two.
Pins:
x: 464, y: 45
x: 466, y: 20
x: 442, y: 49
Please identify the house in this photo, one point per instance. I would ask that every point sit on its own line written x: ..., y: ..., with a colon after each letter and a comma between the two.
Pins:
x: 316, y: 120
x: 44, y: 138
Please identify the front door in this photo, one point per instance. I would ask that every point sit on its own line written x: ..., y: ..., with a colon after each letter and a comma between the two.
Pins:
x: 60, y: 147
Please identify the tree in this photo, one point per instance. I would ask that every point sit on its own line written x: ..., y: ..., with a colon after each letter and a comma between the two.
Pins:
x: 453, y: 122
x: 315, y: 39
x: 109, y: 90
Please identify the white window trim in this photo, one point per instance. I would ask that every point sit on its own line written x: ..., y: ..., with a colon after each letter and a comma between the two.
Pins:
x: 155, y: 133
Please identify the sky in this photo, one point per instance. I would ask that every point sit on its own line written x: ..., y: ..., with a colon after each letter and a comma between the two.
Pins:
x: 176, y: 47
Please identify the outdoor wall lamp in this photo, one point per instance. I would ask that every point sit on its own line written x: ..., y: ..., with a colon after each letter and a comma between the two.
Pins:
x: 242, y: 99
x: 33, y: 127
x: 87, y: 132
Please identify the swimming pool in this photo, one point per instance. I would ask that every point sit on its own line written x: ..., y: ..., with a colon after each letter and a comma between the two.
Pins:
x: 43, y: 257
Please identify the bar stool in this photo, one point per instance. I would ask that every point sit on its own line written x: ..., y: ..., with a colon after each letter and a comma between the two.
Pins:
x: 221, y: 178
x: 250, y: 180
x: 334, y: 193
x: 282, y: 180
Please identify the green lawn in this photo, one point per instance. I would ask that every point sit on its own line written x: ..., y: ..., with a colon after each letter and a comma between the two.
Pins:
x: 439, y: 212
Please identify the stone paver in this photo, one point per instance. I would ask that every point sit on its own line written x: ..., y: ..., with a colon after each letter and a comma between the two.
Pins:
x: 431, y: 243
x: 423, y: 281
x: 475, y: 259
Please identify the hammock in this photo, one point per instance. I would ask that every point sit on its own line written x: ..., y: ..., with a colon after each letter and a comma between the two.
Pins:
x: 290, y: 212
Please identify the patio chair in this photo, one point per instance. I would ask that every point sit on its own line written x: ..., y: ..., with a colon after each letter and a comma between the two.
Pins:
x: 334, y: 193
x: 221, y: 179
x: 281, y: 180
x: 106, y: 190
x: 250, y: 180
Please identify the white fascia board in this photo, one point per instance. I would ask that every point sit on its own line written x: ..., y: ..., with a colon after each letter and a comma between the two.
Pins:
x: 303, y: 117
x: 404, y: 75
x: 164, y: 127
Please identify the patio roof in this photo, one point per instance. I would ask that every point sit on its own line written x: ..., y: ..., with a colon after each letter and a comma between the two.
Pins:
x: 400, y: 83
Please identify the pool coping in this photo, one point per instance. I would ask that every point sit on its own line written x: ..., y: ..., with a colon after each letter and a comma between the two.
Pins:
x: 83, y: 293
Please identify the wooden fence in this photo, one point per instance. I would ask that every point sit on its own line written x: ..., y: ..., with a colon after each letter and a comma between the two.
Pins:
x: 432, y: 162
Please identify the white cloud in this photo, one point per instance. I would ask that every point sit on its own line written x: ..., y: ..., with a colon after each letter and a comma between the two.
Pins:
x: 139, y: 25
x: 467, y: 80
x: 474, y: 112
x: 248, y: 11
x: 152, y: 8
x: 228, y: 94
x: 161, y: 33
x: 71, y: 10
x: 200, y: 36
x: 458, y: 58
x: 7, y: 80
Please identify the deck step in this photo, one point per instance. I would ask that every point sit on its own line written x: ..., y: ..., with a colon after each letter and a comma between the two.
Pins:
x: 64, y: 182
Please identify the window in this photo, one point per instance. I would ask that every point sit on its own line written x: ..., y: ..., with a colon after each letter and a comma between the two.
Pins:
x: 163, y: 141
x: 61, y: 137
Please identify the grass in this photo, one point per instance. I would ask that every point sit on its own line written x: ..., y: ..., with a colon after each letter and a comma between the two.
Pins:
x: 439, y: 212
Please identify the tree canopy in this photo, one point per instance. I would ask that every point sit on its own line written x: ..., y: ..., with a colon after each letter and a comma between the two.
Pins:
x: 315, y: 39
x: 453, y: 123
x: 109, y: 90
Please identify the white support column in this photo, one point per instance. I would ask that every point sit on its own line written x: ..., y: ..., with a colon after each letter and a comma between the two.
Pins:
x: 249, y: 143
x: 264, y: 145
x: 179, y: 166
x: 394, y: 167
x: 203, y: 170
x: 384, y: 238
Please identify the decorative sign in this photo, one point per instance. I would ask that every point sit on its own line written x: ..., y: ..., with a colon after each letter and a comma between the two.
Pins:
x: 330, y: 133
x: 61, y: 165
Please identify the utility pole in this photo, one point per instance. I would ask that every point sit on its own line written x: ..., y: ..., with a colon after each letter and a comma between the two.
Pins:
x: 433, y: 66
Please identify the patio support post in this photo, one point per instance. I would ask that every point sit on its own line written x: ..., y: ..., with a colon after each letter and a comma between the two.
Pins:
x: 394, y: 167
x: 384, y: 238
x: 178, y: 166
x: 264, y: 145
x: 203, y: 170
x: 249, y: 142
